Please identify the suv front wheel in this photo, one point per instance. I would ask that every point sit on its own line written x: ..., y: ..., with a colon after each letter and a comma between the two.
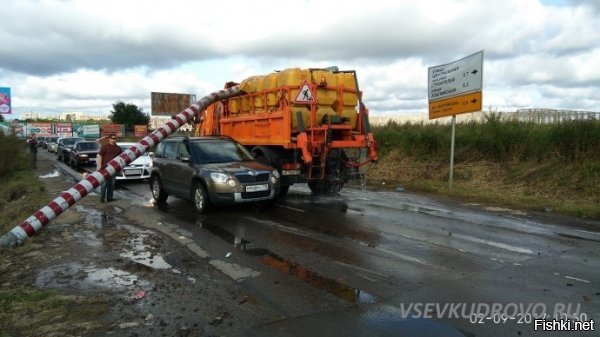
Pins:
x: 200, y: 198
x: 74, y: 163
x: 158, y: 193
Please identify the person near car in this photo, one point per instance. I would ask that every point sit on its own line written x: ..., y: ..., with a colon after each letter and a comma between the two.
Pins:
x: 108, y: 152
x: 33, y: 143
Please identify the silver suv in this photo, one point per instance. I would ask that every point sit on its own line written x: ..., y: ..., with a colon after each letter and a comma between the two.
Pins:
x: 210, y: 170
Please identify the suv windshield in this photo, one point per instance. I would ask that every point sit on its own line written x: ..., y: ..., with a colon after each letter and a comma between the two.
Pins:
x: 71, y: 141
x: 219, y: 151
x: 87, y: 146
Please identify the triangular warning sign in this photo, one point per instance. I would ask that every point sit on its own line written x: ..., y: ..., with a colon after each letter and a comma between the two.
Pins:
x: 305, y: 95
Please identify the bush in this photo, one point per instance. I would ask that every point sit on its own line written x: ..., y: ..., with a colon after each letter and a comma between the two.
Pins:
x: 13, y: 155
x: 495, y: 139
x: 20, y: 189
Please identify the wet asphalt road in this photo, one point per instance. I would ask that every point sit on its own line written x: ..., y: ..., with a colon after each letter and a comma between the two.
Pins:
x: 369, y: 263
x: 374, y: 263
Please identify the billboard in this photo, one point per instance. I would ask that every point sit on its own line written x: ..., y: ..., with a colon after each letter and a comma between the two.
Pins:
x: 168, y: 104
x: 40, y: 129
x: 18, y: 128
x: 87, y: 131
x: 64, y: 129
x: 5, y: 107
x: 117, y: 129
x: 140, y: 130
x: 5, y: 129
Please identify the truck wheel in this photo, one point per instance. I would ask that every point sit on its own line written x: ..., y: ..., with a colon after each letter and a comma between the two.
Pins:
x: 335, y: 174
x: 200, y: 198
x: 324, y: 187
x: 158, y: 193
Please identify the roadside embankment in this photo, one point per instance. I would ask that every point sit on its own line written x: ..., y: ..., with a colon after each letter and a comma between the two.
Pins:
x: 541, y: 167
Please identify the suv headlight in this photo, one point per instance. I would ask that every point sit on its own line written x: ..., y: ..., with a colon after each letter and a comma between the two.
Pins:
x: 274, y: 176
x: 219, y: 178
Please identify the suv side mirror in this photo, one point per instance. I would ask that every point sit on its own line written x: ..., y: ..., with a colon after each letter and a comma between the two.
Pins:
x: 186, y: 159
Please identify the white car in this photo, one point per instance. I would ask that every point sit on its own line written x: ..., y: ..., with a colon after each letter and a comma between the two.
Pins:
x: 140, y: 168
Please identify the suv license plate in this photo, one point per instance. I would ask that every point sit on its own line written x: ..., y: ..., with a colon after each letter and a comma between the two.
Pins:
x: 257, y: 188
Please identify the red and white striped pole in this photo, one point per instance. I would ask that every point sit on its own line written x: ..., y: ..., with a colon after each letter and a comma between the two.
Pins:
x: 41, y: 218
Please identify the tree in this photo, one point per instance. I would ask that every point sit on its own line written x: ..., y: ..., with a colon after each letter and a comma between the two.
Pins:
x: 1, y: 118
x: 128, y: 114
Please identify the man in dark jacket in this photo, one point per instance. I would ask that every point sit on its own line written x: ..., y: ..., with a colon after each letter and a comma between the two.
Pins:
x: 107, y: 153
x: 32, y: 142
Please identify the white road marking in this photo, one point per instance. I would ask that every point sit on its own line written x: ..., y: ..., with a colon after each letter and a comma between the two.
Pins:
x: 494, y: 243
x: 587, y: 232
x: 233, y: 270
x: 363, y: 270
x: 292, y: 208
x: 577, y: 279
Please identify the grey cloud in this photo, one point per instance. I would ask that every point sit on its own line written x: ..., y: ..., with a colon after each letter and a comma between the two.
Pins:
x: 593, y: 4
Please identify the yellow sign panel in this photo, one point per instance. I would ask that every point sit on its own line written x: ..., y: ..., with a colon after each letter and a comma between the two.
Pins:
x: 455, y: 105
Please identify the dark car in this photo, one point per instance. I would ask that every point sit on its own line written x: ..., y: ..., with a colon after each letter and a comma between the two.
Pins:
x: 41, y: 141
x: 65, y: 144
x: 210, y: 170
x: 83, y: 153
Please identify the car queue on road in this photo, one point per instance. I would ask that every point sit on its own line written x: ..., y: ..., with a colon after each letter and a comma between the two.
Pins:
x: 80, y: 153
x: 205, y: 170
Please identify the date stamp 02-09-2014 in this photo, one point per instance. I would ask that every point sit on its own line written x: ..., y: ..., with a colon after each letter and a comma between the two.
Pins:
x: 542, y: 317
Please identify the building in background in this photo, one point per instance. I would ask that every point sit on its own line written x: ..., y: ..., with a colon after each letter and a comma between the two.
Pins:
x: 29, y: 115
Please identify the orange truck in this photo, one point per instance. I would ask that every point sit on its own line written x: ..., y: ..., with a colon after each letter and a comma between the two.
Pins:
x: 310, y: 124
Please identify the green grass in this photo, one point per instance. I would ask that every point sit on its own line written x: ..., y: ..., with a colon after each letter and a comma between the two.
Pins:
x: 496, y: 139
x: 535, y: 166
x: 20, y: 189
x: 26, y: 312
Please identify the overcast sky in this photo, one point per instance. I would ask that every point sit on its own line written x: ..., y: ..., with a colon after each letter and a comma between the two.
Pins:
x: 67, y: 56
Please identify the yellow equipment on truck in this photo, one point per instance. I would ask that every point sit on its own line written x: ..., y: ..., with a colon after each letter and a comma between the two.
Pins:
x: 310, y: 124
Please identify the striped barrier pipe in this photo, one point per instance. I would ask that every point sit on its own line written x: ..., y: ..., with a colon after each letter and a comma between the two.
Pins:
x: 42, y: 217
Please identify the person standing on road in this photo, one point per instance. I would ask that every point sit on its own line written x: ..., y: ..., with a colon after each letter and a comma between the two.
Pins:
x: 32, y: 142
x: 107, y: 153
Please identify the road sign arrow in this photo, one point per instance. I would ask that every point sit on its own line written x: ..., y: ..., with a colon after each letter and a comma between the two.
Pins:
x: 455, y: 78
x: 474, y: 101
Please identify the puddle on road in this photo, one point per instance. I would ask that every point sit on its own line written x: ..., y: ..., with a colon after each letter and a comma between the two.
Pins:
x: 337, y: 288
x: 76, y: 276
x: 54, y: 174
x: 89, y: 238
x: 334, y: 287
x: 142, y: 253
x: 390, y: 321
x: 92, y: 216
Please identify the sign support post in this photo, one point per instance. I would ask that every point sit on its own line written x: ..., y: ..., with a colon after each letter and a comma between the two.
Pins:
x: 451, y: 176
x: 455, y: 88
